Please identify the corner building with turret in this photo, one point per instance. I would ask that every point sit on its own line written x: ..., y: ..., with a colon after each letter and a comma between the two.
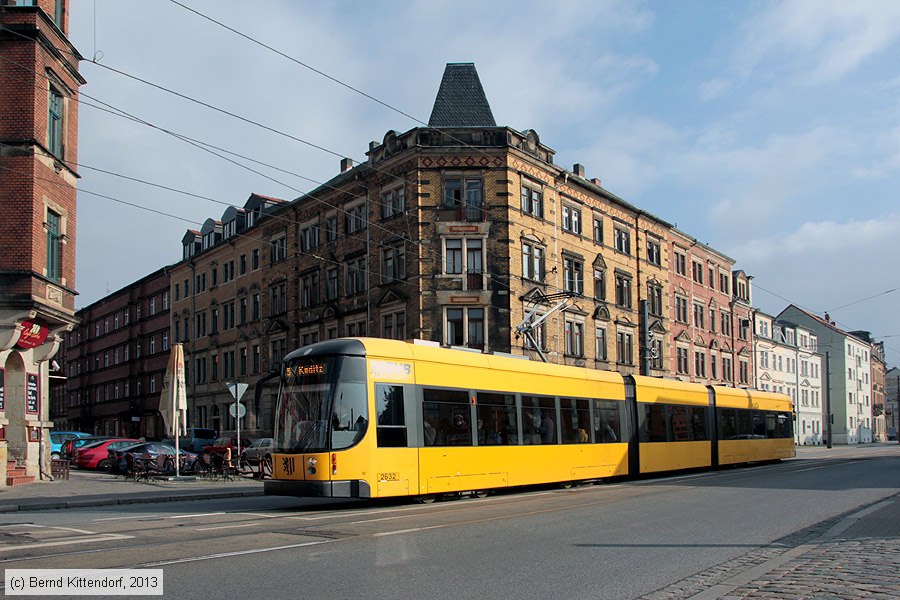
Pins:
x: 454, y: 233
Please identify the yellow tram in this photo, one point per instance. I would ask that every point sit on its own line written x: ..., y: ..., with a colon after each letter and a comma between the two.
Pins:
x: 373, y: 418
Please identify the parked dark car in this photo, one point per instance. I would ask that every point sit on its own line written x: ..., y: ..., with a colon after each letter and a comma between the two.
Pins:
x: 122, y: 459
x: 96, y: 454
x: 195, y: 439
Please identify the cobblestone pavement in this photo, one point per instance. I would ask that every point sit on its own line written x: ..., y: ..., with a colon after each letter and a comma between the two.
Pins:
x: 855, y: 555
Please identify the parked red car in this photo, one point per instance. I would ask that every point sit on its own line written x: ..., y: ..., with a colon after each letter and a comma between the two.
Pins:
x: 224, y: 443
x: 96, y: 455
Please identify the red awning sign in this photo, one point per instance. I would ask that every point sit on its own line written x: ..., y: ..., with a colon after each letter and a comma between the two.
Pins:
x: 33, y: 334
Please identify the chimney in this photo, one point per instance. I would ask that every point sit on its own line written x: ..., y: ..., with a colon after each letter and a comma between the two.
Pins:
x: 578, y: 169
x: 346, y: 164
x: 372, y: 145
x: 596, y: 181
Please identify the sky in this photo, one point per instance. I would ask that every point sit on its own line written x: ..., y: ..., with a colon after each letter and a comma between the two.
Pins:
x: 768, y: 130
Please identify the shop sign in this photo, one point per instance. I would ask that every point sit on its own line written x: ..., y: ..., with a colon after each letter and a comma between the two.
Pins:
x: 33, y: 335
x: 32, y: 393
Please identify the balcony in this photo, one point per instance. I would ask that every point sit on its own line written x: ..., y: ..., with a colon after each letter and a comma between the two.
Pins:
x: 475, y: 281
x: 470, y: 214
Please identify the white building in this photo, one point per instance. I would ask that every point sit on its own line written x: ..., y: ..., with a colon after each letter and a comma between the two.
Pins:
x: 788, y: 362
x: 850, y: 380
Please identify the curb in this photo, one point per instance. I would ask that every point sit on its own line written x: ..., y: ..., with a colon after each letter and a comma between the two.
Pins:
x: 83, y: 503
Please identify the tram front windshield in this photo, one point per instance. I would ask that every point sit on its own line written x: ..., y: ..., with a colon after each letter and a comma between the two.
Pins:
x: 321, y: 404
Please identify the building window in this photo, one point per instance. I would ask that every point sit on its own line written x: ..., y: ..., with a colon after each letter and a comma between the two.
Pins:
x: 331, y: 283
x: 681, y: 309
x: 200, y: 324
x: 623, y: 290
x: 573, y: 271
x: 278, y: 249
x: 393, y: 264
x: 393, y: 326
x: 393, y: 202
x: 712, y: 320
x: 538, y: 333
x: 355, y: 219
x: 723, y: 283
x: 622, y: 240
x: 165, y: 340
x: 355, y: 328
x: 308, y: 338
x: 698, y: 316
x: 574, y: 338
x: 654, y: 252
x: 465, y: 195
x: 682, y: 363
x: 242, y: 361
x: 242, y: 311
x: 744, y: 371
x: 213, y: 321
x: 726, y: 323
x: 330, y: 228
x: 624, y: 347
x: 654, y: 299
x: 54, y: 123
x: 453, y: 256
x: 533, y: 266
x: 255, y: 358
x: 464, y: 327
x: 254, y: 259
x: 727, y: 374
x: 598, y: 230
x: 532, y: 202
x: 680, y: 263
x: 600, y: 339
x: 309, y: 237
x: 700, y: 363
x: 656, y: 354
x: 356, y: 276
x: 599, y: 284
x: 278, y: 297
x: 697, y: 272
x: 309, y: 289
x: 571, y: 219
x: 474, y: 253
x: 54, y: 246
x: 254, y: 306
x: 242, y: 264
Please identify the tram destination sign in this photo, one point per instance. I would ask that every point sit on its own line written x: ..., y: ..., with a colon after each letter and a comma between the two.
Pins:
x: 304, y: 370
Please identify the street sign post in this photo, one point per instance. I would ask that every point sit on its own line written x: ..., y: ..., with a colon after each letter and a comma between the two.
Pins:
x: 237, y: 410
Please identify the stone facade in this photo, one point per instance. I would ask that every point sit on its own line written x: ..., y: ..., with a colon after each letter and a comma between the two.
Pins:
x: 38, y: 152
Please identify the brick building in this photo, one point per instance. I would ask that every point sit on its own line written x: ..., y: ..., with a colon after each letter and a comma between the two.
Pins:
x: 39, y: 83
x: 702, y: 347
x: 115, y: 361
x: 450, y: 233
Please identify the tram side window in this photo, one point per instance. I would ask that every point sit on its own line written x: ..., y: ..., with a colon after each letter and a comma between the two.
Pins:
x: 497, y: 420
x: 447, y: 412
x: 539, y: 419
x: 728, y: 427
x: 784, y: 425
x: 654, y: 424
x: 607, y: 422
x: 745, y: 424
x: 575, y: 419
x: 700, y: 423
x: 391, y: 422
x: 681, y: 423
x: 759, y: 424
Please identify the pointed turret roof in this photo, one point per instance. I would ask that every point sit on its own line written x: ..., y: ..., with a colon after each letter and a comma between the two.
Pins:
x: 460, y: 100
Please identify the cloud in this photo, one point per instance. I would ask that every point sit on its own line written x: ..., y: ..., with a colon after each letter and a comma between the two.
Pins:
x: 817, y: 42
x: 714, y: 88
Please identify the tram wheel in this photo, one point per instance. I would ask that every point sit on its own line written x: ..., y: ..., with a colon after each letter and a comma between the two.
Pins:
x: 481, y: 493
x: 566, y: 485
x: 427, y: 499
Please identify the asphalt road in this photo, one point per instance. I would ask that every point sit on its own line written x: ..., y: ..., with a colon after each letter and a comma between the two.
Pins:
x: 618, y: 540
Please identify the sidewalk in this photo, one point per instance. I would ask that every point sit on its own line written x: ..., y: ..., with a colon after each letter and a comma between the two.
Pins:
x: 87, y: 488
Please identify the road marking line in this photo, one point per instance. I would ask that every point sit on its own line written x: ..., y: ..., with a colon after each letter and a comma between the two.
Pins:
x: 813, y: 468
x: 400, y: 531
x: 192, y: 516
x: 101, y: 538
x: 124, y: 518
x: 260, y: 515
x: 229, y: 554
x: 227, y: 526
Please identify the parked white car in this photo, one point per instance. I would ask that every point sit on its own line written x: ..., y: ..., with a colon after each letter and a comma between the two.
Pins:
x: 259, y: 450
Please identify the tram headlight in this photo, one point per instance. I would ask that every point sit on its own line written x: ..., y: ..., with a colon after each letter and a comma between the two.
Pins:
x: 311, y: 465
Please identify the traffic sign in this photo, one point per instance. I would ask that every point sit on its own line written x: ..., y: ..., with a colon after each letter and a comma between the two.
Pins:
x: 237, y: 389
x: 238, y: 408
